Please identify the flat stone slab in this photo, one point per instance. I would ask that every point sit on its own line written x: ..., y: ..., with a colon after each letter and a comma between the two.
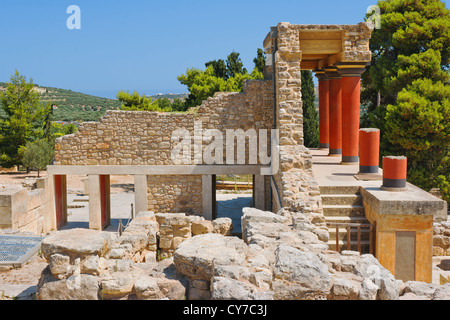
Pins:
x: 18, y: 291
x: 78, y: 242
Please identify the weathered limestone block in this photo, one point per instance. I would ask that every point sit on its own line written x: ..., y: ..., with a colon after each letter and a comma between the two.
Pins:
x: 442, y: 292
x: 59, y: 265
x: 223, y: 226
x: 346, y: 286
x: 256, y: 223
x: 420, y: 288
x: 118, y: 284
x: 196, y: 256
x: 368, y: 267
x: 77, y: 243
x: 202, y: 227
x: 369, y: 290
x: 231, y: 289
x: 80, y: 287
x: 300, y: 275
x: 91, y: 265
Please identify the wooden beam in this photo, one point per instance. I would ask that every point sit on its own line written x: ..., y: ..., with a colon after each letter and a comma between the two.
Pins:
x: 320, y: 46
x: 314, y: 56
x: 321, y: 34
x: 309, y: 64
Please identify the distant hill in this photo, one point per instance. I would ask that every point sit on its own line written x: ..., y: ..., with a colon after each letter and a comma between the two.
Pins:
x: 72, y: 106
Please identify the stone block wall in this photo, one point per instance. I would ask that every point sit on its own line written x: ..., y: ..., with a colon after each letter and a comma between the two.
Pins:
x: 441, y: 238
x: 175, y: 194
x: 26, y: 209
x: 144, y: 138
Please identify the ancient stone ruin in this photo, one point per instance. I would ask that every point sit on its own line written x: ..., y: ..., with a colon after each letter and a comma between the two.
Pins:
x: 297, y: 241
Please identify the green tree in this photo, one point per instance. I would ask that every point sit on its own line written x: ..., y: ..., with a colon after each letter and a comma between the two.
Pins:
x: 310, y: 117
x: 201, y: 85
x: 219, y: 67
x: 21, y: 121
x: 37, y: 155
x: 234, y: 65
x: 405, y: 89
x: 260, y: 60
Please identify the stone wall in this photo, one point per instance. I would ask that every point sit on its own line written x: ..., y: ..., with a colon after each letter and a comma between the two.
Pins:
x: 25, y: 208
x: 144, y: 138
x: 92, y: 265
x: 441, y: 238
x: 276, y: 259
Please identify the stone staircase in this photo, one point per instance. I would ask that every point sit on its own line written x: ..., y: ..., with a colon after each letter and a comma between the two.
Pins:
x: 343, y: 204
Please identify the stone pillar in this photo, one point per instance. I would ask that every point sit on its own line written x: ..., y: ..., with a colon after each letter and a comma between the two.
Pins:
x: 259, y: 192
x: 207, y: 202
x: 335, y: 83
x: 324, y: 115
x: 140, y: 193
x: 351, y: 93
x: 99, y: 201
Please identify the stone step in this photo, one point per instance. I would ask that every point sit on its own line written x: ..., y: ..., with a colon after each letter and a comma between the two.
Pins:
x: 365, y: 246
x: 343, y: 210
x: 341, y: 199
x: 339, y: 190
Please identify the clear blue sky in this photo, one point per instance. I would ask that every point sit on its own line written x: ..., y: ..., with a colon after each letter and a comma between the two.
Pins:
x: 144, y: 45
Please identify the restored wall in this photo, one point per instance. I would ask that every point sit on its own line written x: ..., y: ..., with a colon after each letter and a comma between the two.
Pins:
x: 26, y: 209
x: 144, y: 138
x: 441, y: 238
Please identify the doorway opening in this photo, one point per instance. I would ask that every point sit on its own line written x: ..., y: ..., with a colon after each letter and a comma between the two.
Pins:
x: 231, y: 194
x: 117, y: 204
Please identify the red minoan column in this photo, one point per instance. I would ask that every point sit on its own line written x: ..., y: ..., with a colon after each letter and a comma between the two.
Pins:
x: 351, y: 93
x: 369, y: 150
x: 394, y: 173
x: 324, y: 118
x: 335, y: 128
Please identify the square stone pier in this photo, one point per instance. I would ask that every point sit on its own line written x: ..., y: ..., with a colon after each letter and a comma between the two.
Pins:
x: 402, y: 221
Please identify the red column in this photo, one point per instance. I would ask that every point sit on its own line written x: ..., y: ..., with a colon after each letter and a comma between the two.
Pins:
x: 351, y: 94
x: 335, y: 120
x: 324, y: 115
x: 394, y: 173
x: 369, y: 150
x: 60, y: 186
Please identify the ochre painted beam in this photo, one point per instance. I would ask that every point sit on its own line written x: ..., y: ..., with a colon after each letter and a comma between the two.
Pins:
x: 320, y: 46
x: 321, y: 34
x: 309, y: 64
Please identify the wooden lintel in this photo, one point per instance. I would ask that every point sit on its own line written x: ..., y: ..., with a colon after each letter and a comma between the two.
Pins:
x: 309, y: 64
x: 320, y: 46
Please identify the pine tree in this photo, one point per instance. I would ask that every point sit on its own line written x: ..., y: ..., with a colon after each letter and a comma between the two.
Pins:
x: 310, y: 117
x: 260, y: 60
x: 406, y: 88
x: 22, y: 120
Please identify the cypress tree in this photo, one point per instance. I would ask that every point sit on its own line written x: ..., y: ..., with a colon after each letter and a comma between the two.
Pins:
x: 310, y: 117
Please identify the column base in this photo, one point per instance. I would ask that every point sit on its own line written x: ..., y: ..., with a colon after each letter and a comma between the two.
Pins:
x: 368, y: 169
x: 324, y: 146
x: 394, y: 183
x: 393, y: 189
x: 335, y: 153
x: 350, y: 159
